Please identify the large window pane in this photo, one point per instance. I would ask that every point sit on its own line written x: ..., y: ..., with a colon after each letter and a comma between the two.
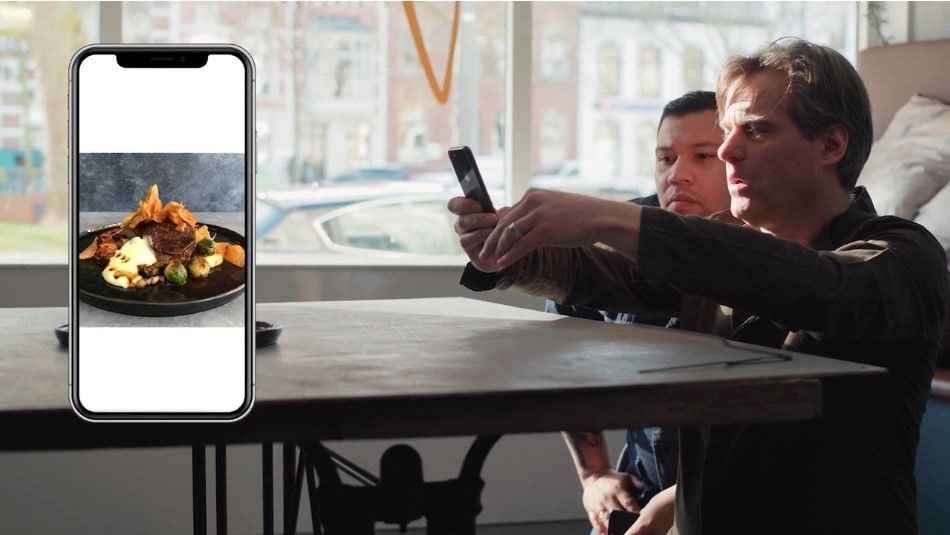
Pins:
x: 33, y: 137
x: 625, y: 60
x: 345, y: 114
x: 344, y: 106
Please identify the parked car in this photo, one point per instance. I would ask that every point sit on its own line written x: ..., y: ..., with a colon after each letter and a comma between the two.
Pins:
x: 492, y: 169
x: 396, y: 226
x: 364, y: 175
x: 568, y: 177
x: 571, y: 177
x: 380, y: 224
x: 569, y: 170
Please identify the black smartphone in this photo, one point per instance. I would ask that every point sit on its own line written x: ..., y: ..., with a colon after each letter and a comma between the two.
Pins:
x: 463, y: 161
x: 620, y: 521
x: 161, y: 242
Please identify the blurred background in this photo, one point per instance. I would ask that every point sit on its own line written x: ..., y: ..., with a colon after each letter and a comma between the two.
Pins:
x: 352, y: 141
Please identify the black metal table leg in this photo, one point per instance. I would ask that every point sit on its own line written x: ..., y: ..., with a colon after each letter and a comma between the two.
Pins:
x: 312, y: 488
x: 289, y: 471
x: 221, y: 488
x: 298, y: 492
x: 267, y: 463
x: 198, y: 490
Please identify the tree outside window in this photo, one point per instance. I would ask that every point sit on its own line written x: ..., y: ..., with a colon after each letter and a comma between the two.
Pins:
x: 555, y: 63
x: 607, y: 150
x: 357, y: 144
x: 646, y: 148
x: 693, y: 69
x: 412, y: 137
x: 608, y: 70
x: 649, y: 72
x: 553, y: 148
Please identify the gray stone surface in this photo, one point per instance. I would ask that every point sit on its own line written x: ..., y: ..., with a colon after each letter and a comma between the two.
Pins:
x: 227, y: 315
x: 202, y: 182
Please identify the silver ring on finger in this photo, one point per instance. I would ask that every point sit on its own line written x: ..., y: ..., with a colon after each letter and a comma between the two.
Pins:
x: 604, y: 514
x: 515, y: 233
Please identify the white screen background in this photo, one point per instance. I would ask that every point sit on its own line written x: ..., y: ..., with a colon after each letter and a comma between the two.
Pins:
x: 200, y: 110
x: 161, y: 110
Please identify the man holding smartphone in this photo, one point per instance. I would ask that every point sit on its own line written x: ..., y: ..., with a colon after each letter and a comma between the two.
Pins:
x: 807, y: 266
x: 690, y: 180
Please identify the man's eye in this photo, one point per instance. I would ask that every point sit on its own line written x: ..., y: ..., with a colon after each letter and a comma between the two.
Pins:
x: 665, y: 160
x: 707, y: 156
x: 753, y: 132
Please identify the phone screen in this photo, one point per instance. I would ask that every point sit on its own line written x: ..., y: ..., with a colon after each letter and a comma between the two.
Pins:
x: 161, y: 240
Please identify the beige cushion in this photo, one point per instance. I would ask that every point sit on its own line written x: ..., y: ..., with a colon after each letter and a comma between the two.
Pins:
x: 935, y: 217
x: 911, y: 161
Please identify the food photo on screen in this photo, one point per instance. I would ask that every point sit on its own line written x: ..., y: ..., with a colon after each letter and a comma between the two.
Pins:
x: 150, y: 256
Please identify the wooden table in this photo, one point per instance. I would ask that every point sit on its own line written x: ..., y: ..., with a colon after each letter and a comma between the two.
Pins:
x: 432, y: 367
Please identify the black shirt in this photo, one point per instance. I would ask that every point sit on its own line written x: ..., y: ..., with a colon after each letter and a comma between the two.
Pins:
x: 869, y: 289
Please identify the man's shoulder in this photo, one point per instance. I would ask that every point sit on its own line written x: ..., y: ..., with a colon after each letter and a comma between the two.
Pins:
x: 863, y: 219
x: 910, y: 240
x: 725, y: 216
x: 897, y: 228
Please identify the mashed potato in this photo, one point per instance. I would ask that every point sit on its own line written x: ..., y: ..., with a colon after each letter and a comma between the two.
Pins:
x: 123, y: 268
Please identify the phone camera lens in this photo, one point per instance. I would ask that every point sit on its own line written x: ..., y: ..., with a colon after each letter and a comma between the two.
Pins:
x: 181, y: 59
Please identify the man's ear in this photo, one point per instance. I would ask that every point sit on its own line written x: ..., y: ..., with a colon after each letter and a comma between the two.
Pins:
x: 834, y: 144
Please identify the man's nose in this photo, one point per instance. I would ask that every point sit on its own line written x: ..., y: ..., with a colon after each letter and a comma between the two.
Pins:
x: 681, y: 172
x: 731, y: 151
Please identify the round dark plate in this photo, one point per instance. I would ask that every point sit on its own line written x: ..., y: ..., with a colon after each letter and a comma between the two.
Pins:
x: 265, y: 334
x: 62, y: 334
x: 223, y: 285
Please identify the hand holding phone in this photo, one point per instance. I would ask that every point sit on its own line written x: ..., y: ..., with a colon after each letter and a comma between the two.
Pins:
x: 469, y: 178
x: 620, y: 521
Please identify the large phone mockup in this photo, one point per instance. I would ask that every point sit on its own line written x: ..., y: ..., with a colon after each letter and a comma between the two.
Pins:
x: 161, y: 232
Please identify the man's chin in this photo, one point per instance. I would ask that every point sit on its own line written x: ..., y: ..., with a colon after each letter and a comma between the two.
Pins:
x: 691, y: 208
x: 741, y: 209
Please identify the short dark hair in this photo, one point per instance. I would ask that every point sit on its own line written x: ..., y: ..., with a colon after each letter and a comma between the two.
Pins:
x: 824, y: 90
x: 692, y: 102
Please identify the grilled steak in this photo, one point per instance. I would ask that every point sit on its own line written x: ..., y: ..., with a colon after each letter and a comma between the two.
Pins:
x: 170, y: 243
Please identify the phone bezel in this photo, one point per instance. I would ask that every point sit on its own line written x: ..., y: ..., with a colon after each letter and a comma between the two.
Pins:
x: 194, y: 54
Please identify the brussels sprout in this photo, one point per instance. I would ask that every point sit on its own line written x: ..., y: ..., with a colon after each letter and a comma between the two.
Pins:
x: 205, y: 247
x: 175, y: 273
x: 198, y: 267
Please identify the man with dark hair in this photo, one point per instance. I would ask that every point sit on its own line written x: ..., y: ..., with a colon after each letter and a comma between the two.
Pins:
x: 690, y: 180
x: 807, y: 267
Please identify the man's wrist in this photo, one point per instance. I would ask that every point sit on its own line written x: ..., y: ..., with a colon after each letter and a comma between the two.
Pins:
x: 589, y: 477
x: 619, y: 227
